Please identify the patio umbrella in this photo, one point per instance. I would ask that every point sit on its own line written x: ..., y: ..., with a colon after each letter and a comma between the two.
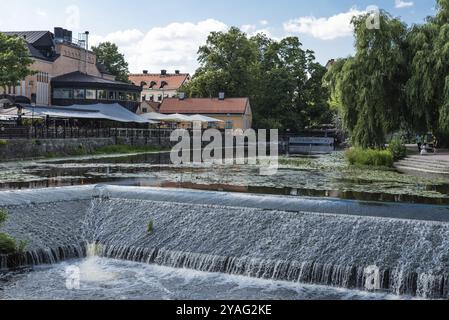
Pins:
x: 204, y: 119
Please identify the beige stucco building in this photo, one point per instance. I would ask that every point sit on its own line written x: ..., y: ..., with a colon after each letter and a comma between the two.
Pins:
x: 58, y: 54
x: 158, y: 86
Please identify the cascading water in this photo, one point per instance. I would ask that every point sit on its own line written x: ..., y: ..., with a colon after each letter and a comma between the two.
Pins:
x: 250, y: 238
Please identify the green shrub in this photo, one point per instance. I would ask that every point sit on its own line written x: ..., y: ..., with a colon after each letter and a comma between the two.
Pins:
x: 150, y: 227
x: 370, y: 157
x: 397, y: 149
x: 3, y: 142
x: 9, y: 245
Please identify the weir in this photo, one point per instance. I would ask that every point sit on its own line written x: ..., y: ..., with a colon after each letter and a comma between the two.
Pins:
x: 357, y: 245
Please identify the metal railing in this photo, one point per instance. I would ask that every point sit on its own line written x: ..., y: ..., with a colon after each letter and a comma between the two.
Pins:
x: 80, y: 133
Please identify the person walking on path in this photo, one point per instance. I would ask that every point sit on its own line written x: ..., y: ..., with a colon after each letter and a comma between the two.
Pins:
x: 419, y: 142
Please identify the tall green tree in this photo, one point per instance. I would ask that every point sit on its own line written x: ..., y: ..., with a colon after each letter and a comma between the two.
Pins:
x: 14, y: 61
x: 109, y: 55
x: 427, y: 89
x: 368, y: 88
x: 283, y: 81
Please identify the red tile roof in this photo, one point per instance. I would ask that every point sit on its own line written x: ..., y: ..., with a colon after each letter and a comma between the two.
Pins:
x: 204, y: 106
x: 174, y: 81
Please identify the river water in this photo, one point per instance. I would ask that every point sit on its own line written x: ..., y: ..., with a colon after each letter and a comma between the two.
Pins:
x: 316, y: 176
x: 104, y: 279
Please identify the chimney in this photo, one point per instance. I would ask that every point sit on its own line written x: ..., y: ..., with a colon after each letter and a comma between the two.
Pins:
x: 177, y: 72
x: 87, y: 39
x: 145, y: 71
x: 221, y: 96
x: 163, y: 72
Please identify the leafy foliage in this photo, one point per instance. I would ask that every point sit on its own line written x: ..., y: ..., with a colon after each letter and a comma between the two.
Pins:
x: 283, y: 82
x: 150, y: 227
x: 370, y: 157
x: 397, y: 149
x: 367, y: 88
x: 9, y: 245
x: 108, y: 55
x: 14, y: 61
x: 397, y: 80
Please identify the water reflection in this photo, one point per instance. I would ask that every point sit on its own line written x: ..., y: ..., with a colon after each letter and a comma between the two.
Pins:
x: 315, y: 176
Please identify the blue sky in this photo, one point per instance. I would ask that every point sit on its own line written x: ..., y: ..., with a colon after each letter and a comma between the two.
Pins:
x: 166, y: 34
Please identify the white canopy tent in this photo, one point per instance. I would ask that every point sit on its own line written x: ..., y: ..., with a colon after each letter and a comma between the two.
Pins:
x: 166, y: 118
x: 204, y: 119
x: 179, y: 118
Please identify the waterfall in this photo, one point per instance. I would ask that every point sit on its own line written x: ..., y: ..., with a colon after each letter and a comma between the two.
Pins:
x: 400, y: 256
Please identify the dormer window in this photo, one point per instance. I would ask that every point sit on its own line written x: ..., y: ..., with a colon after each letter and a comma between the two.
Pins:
x: 152, y: 84
x: 163, y: 84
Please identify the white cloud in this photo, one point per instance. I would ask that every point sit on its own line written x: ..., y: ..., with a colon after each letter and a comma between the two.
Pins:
x: 248, y: 28
x: 40, y: 12
x: 252, y: 30
x: 120, y: 38
x: 403, y: 4
x: 330, y: 28
x: 171, y: 47
x: 263, y: 22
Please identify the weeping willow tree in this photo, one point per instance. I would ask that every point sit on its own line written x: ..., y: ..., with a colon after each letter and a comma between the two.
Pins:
x: 367, y: 88
x: 427, y: 89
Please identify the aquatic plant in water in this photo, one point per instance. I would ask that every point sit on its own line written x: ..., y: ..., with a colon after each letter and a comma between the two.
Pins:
x: 9, y: 245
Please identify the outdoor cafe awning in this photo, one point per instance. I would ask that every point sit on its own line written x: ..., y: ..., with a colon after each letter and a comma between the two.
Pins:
x: 113, y: 112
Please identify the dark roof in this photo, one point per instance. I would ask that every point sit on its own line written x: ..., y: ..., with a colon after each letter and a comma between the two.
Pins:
x: 78, y: 79
x: 39, y: 43
x: 204, y: 106
x: 103, y: 69
x: 30, y: 36
x: 169, y: 81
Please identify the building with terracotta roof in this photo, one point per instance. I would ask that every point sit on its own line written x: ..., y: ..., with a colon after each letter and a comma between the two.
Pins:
x: 158, y: 86
x: 235, y: 113
x: 68, y: 73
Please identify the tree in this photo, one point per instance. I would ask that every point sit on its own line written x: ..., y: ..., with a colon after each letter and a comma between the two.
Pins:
x: 283, y: 82
x: 427, y: 89
x: 14, y: 61
x: 368, y: 88
x: 107, y: 54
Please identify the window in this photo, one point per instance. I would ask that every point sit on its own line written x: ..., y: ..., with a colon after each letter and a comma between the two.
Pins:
x: 151, y: 97
x: 159, y: 97
x: 144, y: 110
x: 111, y: 95
x: 144, y: 97
x: 122, y: 96
x: 63, y: 93
x: 229, y: 124
x: 102, y: 95
x: 91, y: 94
x: 79, y: 94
